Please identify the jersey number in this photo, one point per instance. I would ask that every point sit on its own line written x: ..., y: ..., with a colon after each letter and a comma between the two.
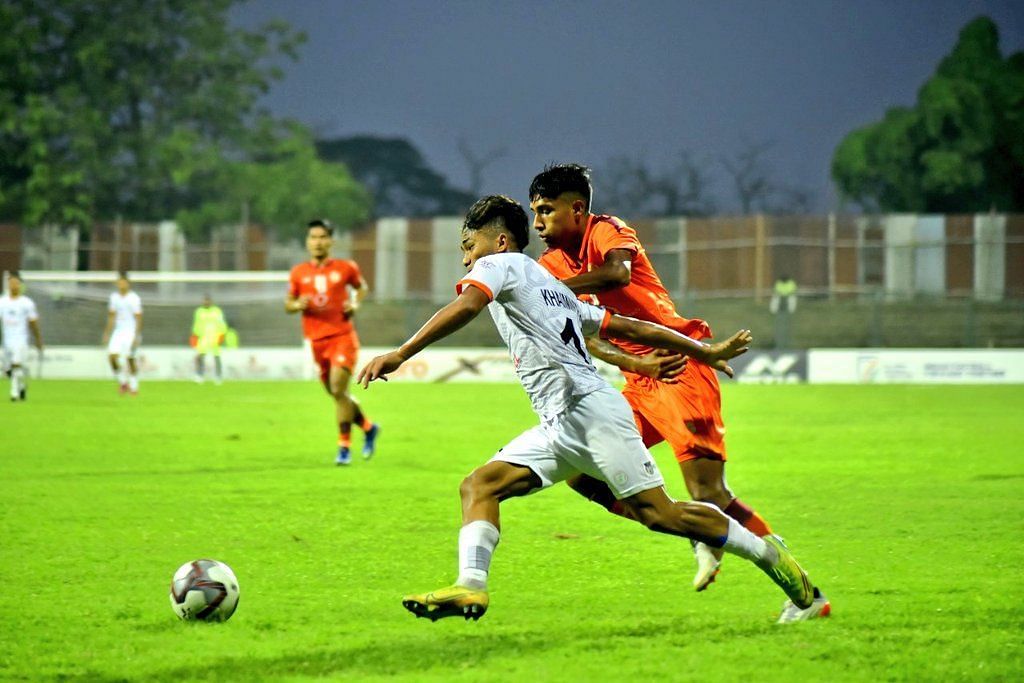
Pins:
x: 569, y: 335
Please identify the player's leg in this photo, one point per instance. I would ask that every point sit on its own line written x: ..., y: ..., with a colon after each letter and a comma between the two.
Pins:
x: 133, y: 372
x: 705, y: 480
x: 119, y: 371
x: 526, y: 464
x: 481, y: 494
x: 14, y: 359
x: 338, y: 380
x: 707, y: 524
x: 200, y: 369
x: 218, y: 366
x: 347, y: 347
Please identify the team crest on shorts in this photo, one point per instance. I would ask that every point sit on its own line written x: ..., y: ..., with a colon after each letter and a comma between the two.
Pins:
x: 649, y: 467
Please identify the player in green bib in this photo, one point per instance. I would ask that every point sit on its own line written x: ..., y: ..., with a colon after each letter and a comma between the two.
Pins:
x: 208, y: 331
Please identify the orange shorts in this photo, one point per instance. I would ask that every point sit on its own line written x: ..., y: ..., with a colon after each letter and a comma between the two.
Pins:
x: 687, y: 414
x: 336, y: 351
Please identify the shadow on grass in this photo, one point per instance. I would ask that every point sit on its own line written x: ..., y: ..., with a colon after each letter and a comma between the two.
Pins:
x: 432, y: 651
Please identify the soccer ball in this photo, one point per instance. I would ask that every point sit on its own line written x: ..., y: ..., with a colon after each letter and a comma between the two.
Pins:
x: 204, y: 590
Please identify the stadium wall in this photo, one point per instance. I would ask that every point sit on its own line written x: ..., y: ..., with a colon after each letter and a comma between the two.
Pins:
x: 489, y: 364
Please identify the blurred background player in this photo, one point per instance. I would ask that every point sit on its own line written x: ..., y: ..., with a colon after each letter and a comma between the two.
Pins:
x: 602, y: 256
x: 123, y: 334
x: 17, y: 316
x: 209, y: 329
x: 586, y: 426
x: 328, y: 292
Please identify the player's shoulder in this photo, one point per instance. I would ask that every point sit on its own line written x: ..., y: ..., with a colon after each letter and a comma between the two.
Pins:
x: 609, y: 222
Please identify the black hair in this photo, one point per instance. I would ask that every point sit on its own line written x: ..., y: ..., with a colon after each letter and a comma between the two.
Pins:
x: 320, y: 223
x: 499, y: 211
x: 123, y: 275
x: 14, y: 273
x: 557, y: 179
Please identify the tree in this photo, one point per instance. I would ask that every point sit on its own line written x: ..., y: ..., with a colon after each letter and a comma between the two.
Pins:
x: 131, y: 108
x: 755, y: 190
x: 960, y: 148
x: 630, y: 187
x: 398, y: 178
x: 288, y: 186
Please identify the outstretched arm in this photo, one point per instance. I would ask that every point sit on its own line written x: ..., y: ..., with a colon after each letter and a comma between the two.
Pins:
x: 446, y: 321
x: 659, y: 364
x: 615, y: 272
x: 716, y: 355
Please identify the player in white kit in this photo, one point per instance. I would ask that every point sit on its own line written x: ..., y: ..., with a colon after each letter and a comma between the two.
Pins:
x: 586, y: 425
x: 17, y: 316
x: 123, y: 334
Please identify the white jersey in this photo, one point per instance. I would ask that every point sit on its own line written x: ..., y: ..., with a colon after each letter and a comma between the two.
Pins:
x: 125, y: 307
x: 543, y: 324
x: 15, y: 315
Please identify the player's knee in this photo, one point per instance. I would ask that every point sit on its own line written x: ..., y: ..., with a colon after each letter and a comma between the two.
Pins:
x: 714, y: 492
x: 475, y: 486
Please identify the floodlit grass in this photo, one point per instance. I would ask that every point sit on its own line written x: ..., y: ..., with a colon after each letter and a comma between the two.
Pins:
x: 904, y: 503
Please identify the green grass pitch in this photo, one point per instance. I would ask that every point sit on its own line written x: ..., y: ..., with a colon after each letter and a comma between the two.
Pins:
x: 904, y: 503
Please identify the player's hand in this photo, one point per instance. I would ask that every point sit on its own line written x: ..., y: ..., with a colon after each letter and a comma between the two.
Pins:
x: 379, y: 367
x: 662, y: 365
x: 721, y: 352
x: 349, y: 309
x: 302, y: 303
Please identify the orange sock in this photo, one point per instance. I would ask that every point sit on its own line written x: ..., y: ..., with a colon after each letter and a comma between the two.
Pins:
x: 345, y: 434
x: 366, y: 425
x: 746, y: 516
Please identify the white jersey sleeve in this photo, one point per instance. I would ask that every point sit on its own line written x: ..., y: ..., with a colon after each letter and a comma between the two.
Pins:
x: 112, y: 302
x: 489, y: 275
x: 593, y: 319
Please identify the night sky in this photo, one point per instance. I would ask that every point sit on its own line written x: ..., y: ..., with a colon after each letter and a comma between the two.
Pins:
x: 583, y: 81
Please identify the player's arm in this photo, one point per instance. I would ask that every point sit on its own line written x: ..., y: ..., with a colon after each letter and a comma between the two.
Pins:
x: 659, y: 364
x: 36, y: 333
x: 138, y: 329
x: 110, y: 326
x: 358, y: 294
x: 615, y: 272
x: 716, y: 355
x: 452, y: 317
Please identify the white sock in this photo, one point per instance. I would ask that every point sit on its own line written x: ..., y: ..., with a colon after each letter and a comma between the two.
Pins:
x: 133, y: 382
x: 477, y: 541
x: 16, y: 382
x: 122, y: 377
x: 744, y: 543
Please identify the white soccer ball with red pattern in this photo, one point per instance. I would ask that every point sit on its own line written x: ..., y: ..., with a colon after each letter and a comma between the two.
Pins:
x: 204, y: 590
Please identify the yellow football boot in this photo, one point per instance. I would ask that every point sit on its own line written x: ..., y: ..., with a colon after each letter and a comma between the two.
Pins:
x: 453, y: 601
x: 788, y: 575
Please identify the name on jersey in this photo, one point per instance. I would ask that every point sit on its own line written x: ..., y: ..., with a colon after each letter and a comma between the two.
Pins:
x: 555, y: 298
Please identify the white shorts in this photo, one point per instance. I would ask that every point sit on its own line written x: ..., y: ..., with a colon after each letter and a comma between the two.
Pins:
x: 15, y: 354
x: 121, y: 343
x: 595, y: 436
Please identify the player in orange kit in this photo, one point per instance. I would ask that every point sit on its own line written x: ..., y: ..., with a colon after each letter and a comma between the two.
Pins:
x: 328, y: 292
x: 602, y: 256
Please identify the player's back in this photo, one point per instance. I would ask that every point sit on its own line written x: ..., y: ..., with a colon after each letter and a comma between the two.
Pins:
x: 543, y: 325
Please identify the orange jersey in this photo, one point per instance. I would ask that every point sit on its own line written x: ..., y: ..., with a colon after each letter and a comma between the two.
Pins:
x: 644, y: 298
x: 326, y: 285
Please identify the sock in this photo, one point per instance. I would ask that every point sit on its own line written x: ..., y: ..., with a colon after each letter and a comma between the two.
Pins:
x: 201, y: 366
x: 345, y: 434
x: 744, y: 543
x: 359, y: 417
x: 16, y: 382
x: 122, y: 377
x: 133, y: 382
x: 477, y: 541
x: 218, y: 368
x: 746, y: 516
